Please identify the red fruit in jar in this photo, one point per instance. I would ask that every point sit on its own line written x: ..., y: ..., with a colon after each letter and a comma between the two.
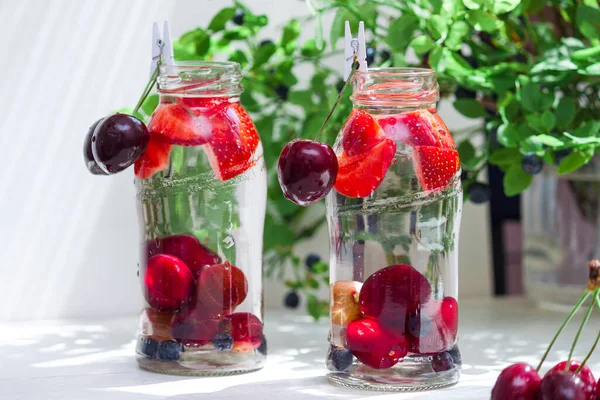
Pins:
x: 228, y: 154
x: 156, y: 324
x: 177, y: 124
x: 204, y: 105
x: 360, y: 175
x: 442, y: 132
x: 585, y: 375
x: 168, y: 283
x: 413, y: 128
x: 435, y: 167
x: 245, y: 329
x: 246, y: 127
x: 438, y: 329
x: 393, y: 293
x: 154, y: 159
x: 562, y: 385
x: 360, y: 133
x: 373, y: 345
x: 222, y: 286
x: 195, y: 326
x: 185, y: 247
x: 517, y: 382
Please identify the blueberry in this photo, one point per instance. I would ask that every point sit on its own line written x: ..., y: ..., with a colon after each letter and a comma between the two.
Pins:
x: 455, y: 354
x: 370, y: 55
x: 341, y: 359
x: 265, y: 42
x: 385, y: 55
x: 311, y: 260
x: 292, y: 300
x: 465, y: 175
x: 282, y: 91
x: 238, y: 18
x: 148, y: 347
x: 169, y: 350
x: 479, y: 192
x: 419, y: 325
x: 223, y: 341
x: 442, y: 362
x: 559, y: 155
x: 462, y: 93
x: 532, y: 163
x: 262, y: 349
x: 339, y: 85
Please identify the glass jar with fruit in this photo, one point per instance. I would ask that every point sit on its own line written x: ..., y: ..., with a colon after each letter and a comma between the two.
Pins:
x: 394, y: 218
x: 201, y: 196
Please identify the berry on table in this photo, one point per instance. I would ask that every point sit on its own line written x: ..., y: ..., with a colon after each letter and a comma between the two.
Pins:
x: 282, y: 91
x: 585, y: 375
x: 442, y: 362
x: 222, y: 342
x: 118, y: 141
x: 307, y: 171
x: 518, y: 381
x: 238, y: 18
x: 148, y: 347
x: 168, y: 350
x: 562, y: 385
x: 532, y: 163
x: 479, y: 192
x: 168, y: 283
x: 311, y: 260
x: 292, y: 300
x: 370, y: 55
x: 341, y: 359
x: 374, y: 345
x: 88, y: 154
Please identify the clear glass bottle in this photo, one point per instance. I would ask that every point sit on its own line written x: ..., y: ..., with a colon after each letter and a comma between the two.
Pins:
x: 394, y: 219
x: 201, y: 196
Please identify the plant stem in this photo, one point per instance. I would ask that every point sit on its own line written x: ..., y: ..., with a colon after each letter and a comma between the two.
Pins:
x: 581, y: 326
x: 339, y: 98
x: 589, y: 354
x: 147, y: 90
x: 583, y: 298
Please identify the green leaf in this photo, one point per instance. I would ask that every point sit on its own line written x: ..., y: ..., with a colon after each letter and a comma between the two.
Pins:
x: 337, y: 27
x: 590, y: 128
x: 508, y: 135
x: 291, y: 31
x: 516, y: 180
x: 550, y: 141
x: 293, y: 284
x: 195, y: 42
x: 504, y: 157
x: 466, y: 151
x: 470, y: 108
x: 473, y: 4
x: 401, y: 31
x: 239, y: 57
x: 422, y: 44
x: 310, y: 48
x: 320, y: 267
x: 456, y: 35
x: 313, y: 306
x: 302, y: 98
x: 593, y: 69
x: 263, y: 54
x: 501, y: 6
x: 220, y: 19
x: 532, y: 97
x: 150, y: 104
x: 451, y: 8
x: 548, y: 120
x: 582, y: 141
x: 574, y: 160
x: 483, y: 21
x: 587, y: 20
x: 554, y: 65
x: 565, y: 111
x: 438, y: 26
x: 277, y: 234
x: 435, y: 60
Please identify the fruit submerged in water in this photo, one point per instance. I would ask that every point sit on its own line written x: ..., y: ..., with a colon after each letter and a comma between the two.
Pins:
x: 222, y: 286
x: 168, y: 283
x: 344, y: 305
x: 373, y: 345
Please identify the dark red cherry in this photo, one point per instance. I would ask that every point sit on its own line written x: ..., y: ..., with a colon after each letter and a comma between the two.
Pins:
x: 118, y: 141
x: 306, y: 171
x: 88, y: 154
x: 517, y: 382
x: 585, y: 375
x: 562, y: 385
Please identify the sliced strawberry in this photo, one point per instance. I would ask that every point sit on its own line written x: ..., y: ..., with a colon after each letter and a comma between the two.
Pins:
x: 247, y: 129
x: 360, y: 175
x: 413, y: 128
x: 178, y: 124
x: 434, y: 166
x: 206, y: 103
x: 227, y: 152
x: 442, y: 132
x: 360, y: 133
x: 154, y: 159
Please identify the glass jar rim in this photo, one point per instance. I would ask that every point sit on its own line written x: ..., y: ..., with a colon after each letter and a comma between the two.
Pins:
x: 201, y: 78
x: 400, y: 71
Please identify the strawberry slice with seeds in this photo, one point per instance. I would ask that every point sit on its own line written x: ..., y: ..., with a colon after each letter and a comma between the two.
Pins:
x: 435, y: 166
x: 154, y: 159
x: 246, y: 127
x: 360, y: 133
x: 413, y: 128
x: 178, y: 124
x: 360, y: 175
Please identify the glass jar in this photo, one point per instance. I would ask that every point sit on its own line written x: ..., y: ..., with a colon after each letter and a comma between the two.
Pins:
x: 560, y: 215
x: 201, y: 197
x: 394, y: 219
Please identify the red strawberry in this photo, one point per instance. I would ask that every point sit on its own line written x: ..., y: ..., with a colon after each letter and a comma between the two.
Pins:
x: 177, y: 124
x: 195, y: 326
x: 168, y: 283
x: 413, y: 128
x: 440, y: 331
x: 434, y: 166
x: 222, y: 286
x: 205, y: 104
x: 245, y: 329
x: 373, y: 345
x: 154, y: 159
x: 360, y: 133
x: 246, y: 127
x: 359, y: 176
x: 185, y: 247
x: 227, y: 153
x: 442, y: 132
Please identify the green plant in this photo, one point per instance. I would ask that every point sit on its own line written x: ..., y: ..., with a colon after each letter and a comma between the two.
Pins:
x: 528, y: 71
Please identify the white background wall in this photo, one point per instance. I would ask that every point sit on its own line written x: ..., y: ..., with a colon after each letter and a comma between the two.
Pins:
x: 68, y: 240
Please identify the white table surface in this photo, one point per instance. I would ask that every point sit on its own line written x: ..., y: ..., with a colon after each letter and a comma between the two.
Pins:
x: 94, y: 359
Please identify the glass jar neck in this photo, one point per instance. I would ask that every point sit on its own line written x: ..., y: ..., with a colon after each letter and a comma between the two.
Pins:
x: 201, y: 79
x: 395, y: 88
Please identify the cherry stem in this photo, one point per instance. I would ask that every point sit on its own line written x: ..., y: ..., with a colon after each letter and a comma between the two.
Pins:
x: 589, y: 354
x: 581, y: 326
x: 583, y: 298
x: 355, y: 66
x: 147, y: 90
